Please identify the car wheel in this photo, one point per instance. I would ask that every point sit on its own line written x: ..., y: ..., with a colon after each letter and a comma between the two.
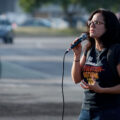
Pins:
x: 5, y: 40
x: 8, y: 40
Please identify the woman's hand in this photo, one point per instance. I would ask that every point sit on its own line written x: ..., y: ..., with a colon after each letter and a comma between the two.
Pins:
x: 95, y: 87
x: 87, y: 45
x: 77, y: 49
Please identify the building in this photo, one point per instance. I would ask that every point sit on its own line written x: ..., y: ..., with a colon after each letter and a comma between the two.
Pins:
x: 9, y: 6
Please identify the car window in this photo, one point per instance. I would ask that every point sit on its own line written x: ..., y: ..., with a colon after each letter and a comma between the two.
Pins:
x: 4, y: 22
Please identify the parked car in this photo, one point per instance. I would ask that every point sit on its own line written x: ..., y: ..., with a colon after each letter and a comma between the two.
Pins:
x: 59, y: 23
x: 36, y: 23
x: 6, y: 31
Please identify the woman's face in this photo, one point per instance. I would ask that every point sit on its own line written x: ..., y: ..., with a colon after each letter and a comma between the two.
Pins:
x: 96, y: 26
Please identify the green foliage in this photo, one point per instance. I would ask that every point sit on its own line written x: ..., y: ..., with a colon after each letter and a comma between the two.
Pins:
x: 92, y: 5
x: 30, y: 6
x: 65, y: 3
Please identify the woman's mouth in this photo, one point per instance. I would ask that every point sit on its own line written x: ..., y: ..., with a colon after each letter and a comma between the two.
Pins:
x: 92, y: 31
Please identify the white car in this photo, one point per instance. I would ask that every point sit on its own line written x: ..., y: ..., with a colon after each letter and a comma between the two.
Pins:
x: 59, y: 23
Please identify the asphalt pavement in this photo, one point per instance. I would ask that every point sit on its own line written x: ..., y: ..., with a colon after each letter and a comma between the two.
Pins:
x: 31, y: 76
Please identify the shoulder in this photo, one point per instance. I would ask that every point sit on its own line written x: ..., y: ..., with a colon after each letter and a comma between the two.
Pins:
x: 113, y: 58
x: 114, y: 53
x: 114, y: 49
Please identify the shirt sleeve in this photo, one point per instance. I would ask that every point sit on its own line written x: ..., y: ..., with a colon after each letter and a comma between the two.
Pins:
x: 117, y: 54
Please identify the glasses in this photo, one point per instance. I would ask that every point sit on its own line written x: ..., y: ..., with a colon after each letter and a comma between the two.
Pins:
x: 95, y: 23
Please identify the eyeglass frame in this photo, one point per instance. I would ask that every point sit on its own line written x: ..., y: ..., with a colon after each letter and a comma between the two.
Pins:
x: 94, y: 23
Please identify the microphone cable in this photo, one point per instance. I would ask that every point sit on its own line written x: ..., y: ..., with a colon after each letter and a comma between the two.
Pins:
x: 80, y: 39
x: 63, y: 100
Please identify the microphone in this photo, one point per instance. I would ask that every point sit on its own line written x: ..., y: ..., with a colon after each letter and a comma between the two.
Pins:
x: 80, y: 39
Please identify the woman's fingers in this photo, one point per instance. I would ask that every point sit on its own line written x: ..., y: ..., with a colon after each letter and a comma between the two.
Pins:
x: 84, y: 82
x: 75, y: 42
x: 77, y: 47
x: 84, y: 85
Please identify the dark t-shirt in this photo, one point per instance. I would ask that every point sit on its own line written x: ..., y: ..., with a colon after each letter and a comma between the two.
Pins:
x: 97, y: 67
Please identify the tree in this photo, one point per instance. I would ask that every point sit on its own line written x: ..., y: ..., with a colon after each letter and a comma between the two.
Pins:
x: 31, y: 6
x: 65, y: 5
x: 92, y: 5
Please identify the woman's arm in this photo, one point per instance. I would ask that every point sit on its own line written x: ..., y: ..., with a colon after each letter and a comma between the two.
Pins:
x: 76, y: 68
x: 118, y: 69
x: 78, y: 62
x: 111, y: 90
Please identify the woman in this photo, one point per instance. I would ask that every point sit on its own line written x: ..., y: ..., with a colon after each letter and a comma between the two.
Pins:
x: 118, y: 16
x: 101, y: 87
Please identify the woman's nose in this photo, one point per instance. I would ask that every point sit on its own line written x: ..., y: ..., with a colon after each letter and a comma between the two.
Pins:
x: 92, y: 24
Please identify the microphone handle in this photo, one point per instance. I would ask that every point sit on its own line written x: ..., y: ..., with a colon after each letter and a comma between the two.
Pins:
x: 80, y: 39
x: 76, y: 43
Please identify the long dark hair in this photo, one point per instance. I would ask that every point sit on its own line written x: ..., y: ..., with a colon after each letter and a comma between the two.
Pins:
x: 112, y: 25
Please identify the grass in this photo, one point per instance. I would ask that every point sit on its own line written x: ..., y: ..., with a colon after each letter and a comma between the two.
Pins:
x: 42, y: 31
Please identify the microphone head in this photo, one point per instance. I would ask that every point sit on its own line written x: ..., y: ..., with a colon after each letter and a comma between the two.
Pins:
x: 83, y: 36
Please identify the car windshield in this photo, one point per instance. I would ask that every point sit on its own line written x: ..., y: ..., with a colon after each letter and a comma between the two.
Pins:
x: 4, y: 22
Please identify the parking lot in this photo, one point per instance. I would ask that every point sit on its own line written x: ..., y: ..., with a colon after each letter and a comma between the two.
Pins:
x: 30, y: 85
